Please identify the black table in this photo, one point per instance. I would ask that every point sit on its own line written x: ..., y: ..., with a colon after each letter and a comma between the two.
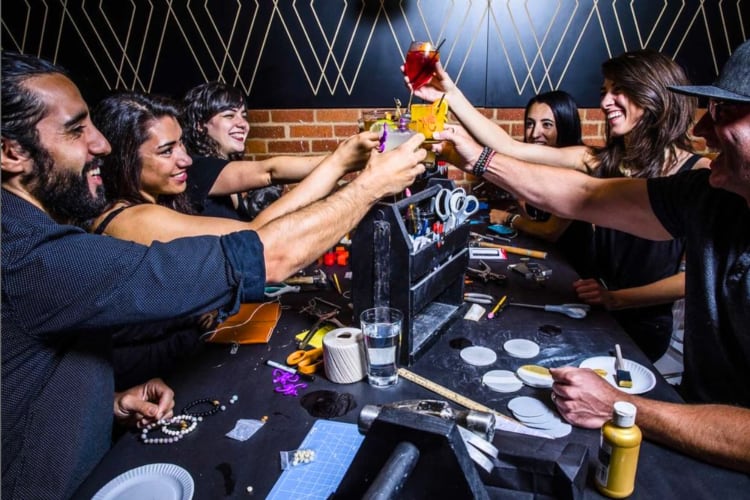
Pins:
x: 224, y: 468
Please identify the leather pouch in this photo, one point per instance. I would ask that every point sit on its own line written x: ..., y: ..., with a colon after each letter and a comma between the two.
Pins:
x: 252, y: 324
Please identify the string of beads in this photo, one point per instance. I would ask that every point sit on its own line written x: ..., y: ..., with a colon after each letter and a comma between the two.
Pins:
x: 186, y: 424
x: 215, y: 407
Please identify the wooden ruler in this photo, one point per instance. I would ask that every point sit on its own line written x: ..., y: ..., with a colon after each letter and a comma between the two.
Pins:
x: 449, y: 394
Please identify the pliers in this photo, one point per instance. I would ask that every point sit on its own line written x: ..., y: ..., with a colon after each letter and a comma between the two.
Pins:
x: 486, y: 274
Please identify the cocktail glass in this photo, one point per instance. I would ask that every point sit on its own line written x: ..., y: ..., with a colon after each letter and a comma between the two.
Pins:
x: 420, y: 63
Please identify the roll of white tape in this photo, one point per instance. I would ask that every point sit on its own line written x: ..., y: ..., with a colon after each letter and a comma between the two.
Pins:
x: 344, y: 355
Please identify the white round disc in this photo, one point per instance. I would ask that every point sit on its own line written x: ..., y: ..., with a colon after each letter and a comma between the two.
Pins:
x: 502, y: 381
x: 521, y: 348
x: 535, y: 376
x: 478, y: 355
x: 526, y: 406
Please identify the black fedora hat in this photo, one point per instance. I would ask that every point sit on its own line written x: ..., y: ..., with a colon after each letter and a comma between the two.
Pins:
x: 733, y: 83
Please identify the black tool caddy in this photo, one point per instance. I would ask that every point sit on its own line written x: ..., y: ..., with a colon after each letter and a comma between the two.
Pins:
x: 425, y: 284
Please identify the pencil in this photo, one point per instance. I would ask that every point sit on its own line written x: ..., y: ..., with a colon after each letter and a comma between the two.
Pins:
x: 336, y: 282
x: 497, y: 307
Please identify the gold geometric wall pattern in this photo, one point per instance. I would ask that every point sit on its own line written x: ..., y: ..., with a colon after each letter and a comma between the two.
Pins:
x: 337, y: 53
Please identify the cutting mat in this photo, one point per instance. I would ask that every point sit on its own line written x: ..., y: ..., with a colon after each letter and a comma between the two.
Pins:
x: 335, y: 444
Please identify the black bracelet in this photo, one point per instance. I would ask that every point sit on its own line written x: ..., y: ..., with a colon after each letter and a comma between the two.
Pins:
x: 215, y: 407
x: 480, y: 167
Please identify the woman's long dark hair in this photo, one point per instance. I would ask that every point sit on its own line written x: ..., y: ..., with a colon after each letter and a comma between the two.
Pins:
x: 199, y: 105
x: 644, y: 76
x: 124, y: 119
x: 565, y: 111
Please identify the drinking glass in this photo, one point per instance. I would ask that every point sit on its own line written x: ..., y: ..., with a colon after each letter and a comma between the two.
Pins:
x: 381, y: 329
x: 420, y: 63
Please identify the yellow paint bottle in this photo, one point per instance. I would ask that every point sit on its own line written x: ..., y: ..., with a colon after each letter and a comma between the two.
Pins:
x: 618, y: 452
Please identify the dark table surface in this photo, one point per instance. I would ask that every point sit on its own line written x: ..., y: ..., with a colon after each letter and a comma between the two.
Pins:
x: 211, y: 458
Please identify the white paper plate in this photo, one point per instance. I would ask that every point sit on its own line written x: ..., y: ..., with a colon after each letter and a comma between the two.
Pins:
x: 521, y: 348
x: 643, y: 378
x: 162, y: 481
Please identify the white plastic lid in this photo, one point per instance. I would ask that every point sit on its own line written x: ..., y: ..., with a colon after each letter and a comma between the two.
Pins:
x: 624, y: 414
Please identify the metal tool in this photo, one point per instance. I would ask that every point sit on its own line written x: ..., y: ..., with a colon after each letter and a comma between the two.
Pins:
x: 307, y: 362
x: 478, y: 298
x: 485, y: 273
x: 318, y: 278
x: 313, y: 308
x: 280, y: 289
x: 454, y: 206
x: 577, y: 311
x: 479, y: 422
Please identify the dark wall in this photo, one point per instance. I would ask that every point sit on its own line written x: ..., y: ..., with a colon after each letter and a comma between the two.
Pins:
x: 336, y: 54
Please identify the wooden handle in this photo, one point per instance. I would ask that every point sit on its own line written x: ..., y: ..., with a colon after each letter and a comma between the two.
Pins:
x: 515, y: 250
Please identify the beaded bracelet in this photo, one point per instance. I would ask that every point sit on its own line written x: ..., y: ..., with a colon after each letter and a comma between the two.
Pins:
x: 182, y: 421
x: 480, y: 167
x: 215, y: 407
x: 174, y: 434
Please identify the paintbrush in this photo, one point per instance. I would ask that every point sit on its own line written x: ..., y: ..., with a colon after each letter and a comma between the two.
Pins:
x: 622, y: 376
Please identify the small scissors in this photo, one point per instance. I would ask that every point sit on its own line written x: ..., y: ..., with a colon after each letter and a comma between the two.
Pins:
x: 307, y: 362
x: 455, y: 206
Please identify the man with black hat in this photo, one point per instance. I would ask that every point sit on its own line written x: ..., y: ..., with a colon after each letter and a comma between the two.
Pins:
x: 711, y: 210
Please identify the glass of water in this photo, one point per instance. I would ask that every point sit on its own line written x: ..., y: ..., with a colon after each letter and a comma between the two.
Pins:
x: 381, y: 329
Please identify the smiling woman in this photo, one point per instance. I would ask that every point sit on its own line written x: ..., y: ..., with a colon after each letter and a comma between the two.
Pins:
x: 222, y: 184
x: 147, y: 174
x: 647, y: 136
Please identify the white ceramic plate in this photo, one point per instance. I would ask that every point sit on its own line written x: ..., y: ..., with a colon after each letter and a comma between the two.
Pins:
x: 643, y: 378
x: 162, y: 481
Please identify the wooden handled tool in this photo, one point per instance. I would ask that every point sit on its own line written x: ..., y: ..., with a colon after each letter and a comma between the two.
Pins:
x: 537, y: 254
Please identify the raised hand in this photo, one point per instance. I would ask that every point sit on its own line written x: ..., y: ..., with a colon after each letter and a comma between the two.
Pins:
x: 354, y: 152
x: 432, y: 91
x: 391, y: 172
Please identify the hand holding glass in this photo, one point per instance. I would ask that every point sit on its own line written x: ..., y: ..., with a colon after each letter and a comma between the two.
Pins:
x: 420, y: 63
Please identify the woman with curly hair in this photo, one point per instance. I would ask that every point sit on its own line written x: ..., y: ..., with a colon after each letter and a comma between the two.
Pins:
x: 222, y: 184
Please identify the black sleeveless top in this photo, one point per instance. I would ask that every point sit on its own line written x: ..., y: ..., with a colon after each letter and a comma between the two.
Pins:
x: 622, y: 260
x: 114, y: 213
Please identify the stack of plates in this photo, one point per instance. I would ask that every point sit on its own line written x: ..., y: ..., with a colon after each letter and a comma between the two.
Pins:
x: 533, y: 413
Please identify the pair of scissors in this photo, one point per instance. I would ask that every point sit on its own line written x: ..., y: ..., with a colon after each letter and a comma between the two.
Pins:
x: 454, y: 206
x: 307, y: 362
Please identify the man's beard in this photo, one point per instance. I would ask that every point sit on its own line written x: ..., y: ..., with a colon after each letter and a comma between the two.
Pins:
x: 65, y: 195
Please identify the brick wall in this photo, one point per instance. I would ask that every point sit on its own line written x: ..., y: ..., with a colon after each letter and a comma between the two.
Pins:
x: 315, y: 131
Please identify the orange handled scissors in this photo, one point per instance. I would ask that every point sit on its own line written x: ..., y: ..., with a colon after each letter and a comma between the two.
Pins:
x: 307, y: 362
